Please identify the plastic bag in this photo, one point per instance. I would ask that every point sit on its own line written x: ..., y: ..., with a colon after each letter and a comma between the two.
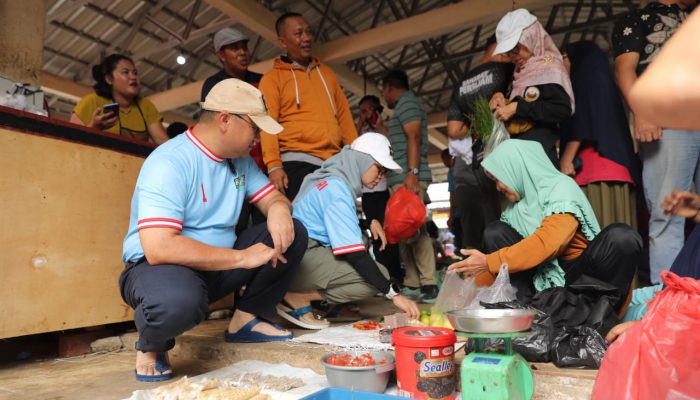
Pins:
x: 658, y: 357
x: 579, y: 347
x: 500, y: 291
x: 405, y: 213
x: 587, y: 301
x: 498, y: 135
x: 455, y: 294
x: 537, y: 345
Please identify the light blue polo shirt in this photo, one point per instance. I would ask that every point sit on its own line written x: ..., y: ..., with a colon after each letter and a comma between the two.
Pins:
x: 328, y: 213
x: 185, y: 186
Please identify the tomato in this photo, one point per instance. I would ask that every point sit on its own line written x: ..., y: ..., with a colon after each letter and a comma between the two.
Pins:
x: 367, y: 325
x: 339, y: 360
x: 345, y: 360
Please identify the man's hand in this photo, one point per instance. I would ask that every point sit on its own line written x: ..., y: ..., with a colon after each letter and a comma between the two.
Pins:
x: 645, y: 131
x: 474, y: 265
x: 411, y: 182
x: 281, y: 228
x: 406, y: 305
x: 255, y: 256
x: 506, y: 111
x: 279, y: 180
x: 103, y: 121
x: 378, y: 232
x: 683, y: 204
x: 618, y: 330
x: 567, y: 167
x: 497, y: 100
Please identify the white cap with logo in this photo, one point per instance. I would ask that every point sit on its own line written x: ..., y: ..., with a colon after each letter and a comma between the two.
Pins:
x: 237, y: 97
x: 377, y: 146
x: 509, y: 29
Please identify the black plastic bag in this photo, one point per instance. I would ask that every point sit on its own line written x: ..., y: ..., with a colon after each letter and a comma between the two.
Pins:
x: 579, y: 347
x: 537, y: 345
x: 586, y: 302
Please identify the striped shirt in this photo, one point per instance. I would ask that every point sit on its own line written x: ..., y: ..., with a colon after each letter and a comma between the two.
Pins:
x: 408, y: 108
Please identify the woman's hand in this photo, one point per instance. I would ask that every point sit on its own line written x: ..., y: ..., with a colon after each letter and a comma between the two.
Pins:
x: 378, y: 233
x: 618, y: 330
x: 474, y: 265
x: 506, y: 112
x: 406, y: 305
x: 684, y: 204
x: 567, y: 167
x: 103, y: 121
x: 497, y: 100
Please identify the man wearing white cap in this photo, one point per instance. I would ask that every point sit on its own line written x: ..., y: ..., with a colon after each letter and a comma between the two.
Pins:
x: 181, y: 251
x: 336, y: 266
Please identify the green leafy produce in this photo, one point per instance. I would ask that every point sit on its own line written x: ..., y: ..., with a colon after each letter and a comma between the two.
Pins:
x: 482, y: 118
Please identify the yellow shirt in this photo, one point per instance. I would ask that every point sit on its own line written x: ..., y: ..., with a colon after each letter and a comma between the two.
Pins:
x: 133, y: 123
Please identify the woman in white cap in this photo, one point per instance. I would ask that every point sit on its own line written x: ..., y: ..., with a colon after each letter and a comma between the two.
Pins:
x: 336, y: 266
x: 541, y: 96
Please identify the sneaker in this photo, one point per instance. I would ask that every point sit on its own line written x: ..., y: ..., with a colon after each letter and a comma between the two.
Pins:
x: 430, y: 293
x: 411, y: 292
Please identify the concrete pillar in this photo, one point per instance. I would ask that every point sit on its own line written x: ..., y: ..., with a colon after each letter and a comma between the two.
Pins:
x: 22, y: 25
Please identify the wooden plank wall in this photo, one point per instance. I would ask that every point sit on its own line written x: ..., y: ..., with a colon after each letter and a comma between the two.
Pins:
x: 68, y: 203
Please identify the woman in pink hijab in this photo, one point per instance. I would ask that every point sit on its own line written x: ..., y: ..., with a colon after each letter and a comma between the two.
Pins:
x: 541, y: 96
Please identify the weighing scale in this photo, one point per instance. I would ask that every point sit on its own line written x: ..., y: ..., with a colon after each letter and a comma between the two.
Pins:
x: 495, y: 376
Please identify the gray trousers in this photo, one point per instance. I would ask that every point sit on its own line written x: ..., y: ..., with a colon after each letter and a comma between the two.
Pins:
x: 336, y: 280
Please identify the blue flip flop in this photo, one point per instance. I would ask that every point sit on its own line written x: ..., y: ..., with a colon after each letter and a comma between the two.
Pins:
x: 162, y: 365
x: 247, y: 335
x: 285, y: 311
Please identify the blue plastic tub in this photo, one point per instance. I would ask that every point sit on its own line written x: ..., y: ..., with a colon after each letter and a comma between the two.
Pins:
x: 346, y: 394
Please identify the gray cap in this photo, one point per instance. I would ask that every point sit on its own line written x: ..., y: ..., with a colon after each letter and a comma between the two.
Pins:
x: 227, y: 36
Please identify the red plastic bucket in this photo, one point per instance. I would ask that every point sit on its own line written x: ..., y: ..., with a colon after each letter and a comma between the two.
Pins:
x: 425, y: 362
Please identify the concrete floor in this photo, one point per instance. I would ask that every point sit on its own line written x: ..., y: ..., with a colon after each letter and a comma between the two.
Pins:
x: 110, y: 375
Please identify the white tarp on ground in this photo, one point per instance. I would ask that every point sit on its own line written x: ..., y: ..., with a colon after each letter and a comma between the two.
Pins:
x: 345, y: 336
x: 313, y: 381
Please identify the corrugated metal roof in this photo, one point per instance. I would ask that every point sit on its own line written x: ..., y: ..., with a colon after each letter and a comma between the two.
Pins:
x: 79, y: 33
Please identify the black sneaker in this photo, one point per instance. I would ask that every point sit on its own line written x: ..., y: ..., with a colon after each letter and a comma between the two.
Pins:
x: 430, y: 293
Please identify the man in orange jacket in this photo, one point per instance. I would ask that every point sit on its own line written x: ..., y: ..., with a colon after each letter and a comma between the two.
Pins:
x: 305, y: 97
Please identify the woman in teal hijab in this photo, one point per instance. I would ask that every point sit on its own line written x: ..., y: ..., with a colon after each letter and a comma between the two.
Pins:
x: 336, y: 267
x: 548, y: 235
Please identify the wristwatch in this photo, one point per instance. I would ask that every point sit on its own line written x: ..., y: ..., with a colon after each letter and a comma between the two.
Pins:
x: 393, y: 291
x: 415, y: 171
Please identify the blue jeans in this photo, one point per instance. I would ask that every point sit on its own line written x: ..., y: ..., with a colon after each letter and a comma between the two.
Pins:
x: 668, y: 164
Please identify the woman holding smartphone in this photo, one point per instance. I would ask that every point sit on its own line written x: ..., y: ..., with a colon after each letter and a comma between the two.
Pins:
x: 116, y: 106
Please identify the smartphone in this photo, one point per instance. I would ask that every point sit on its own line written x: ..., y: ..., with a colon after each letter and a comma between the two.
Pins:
x: 374, y: 118
x: 111, y: 108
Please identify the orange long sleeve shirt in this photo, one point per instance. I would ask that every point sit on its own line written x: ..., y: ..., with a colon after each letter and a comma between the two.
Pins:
x: 557, y: 237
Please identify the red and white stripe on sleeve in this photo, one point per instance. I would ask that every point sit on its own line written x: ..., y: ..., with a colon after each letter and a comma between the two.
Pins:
x: 348, y: 249
x: 257, y: 196
x: 160, y: 223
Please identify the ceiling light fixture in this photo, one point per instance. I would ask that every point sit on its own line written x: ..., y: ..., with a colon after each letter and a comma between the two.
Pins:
x: 181, y: 59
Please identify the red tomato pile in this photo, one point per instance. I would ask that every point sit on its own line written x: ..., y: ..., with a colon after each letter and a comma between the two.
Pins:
x: 367, y: 325
x: 346, y: 360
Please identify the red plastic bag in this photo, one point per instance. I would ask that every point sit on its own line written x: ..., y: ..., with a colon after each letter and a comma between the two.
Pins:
x: 405, y: 213
x: 659, y: 357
